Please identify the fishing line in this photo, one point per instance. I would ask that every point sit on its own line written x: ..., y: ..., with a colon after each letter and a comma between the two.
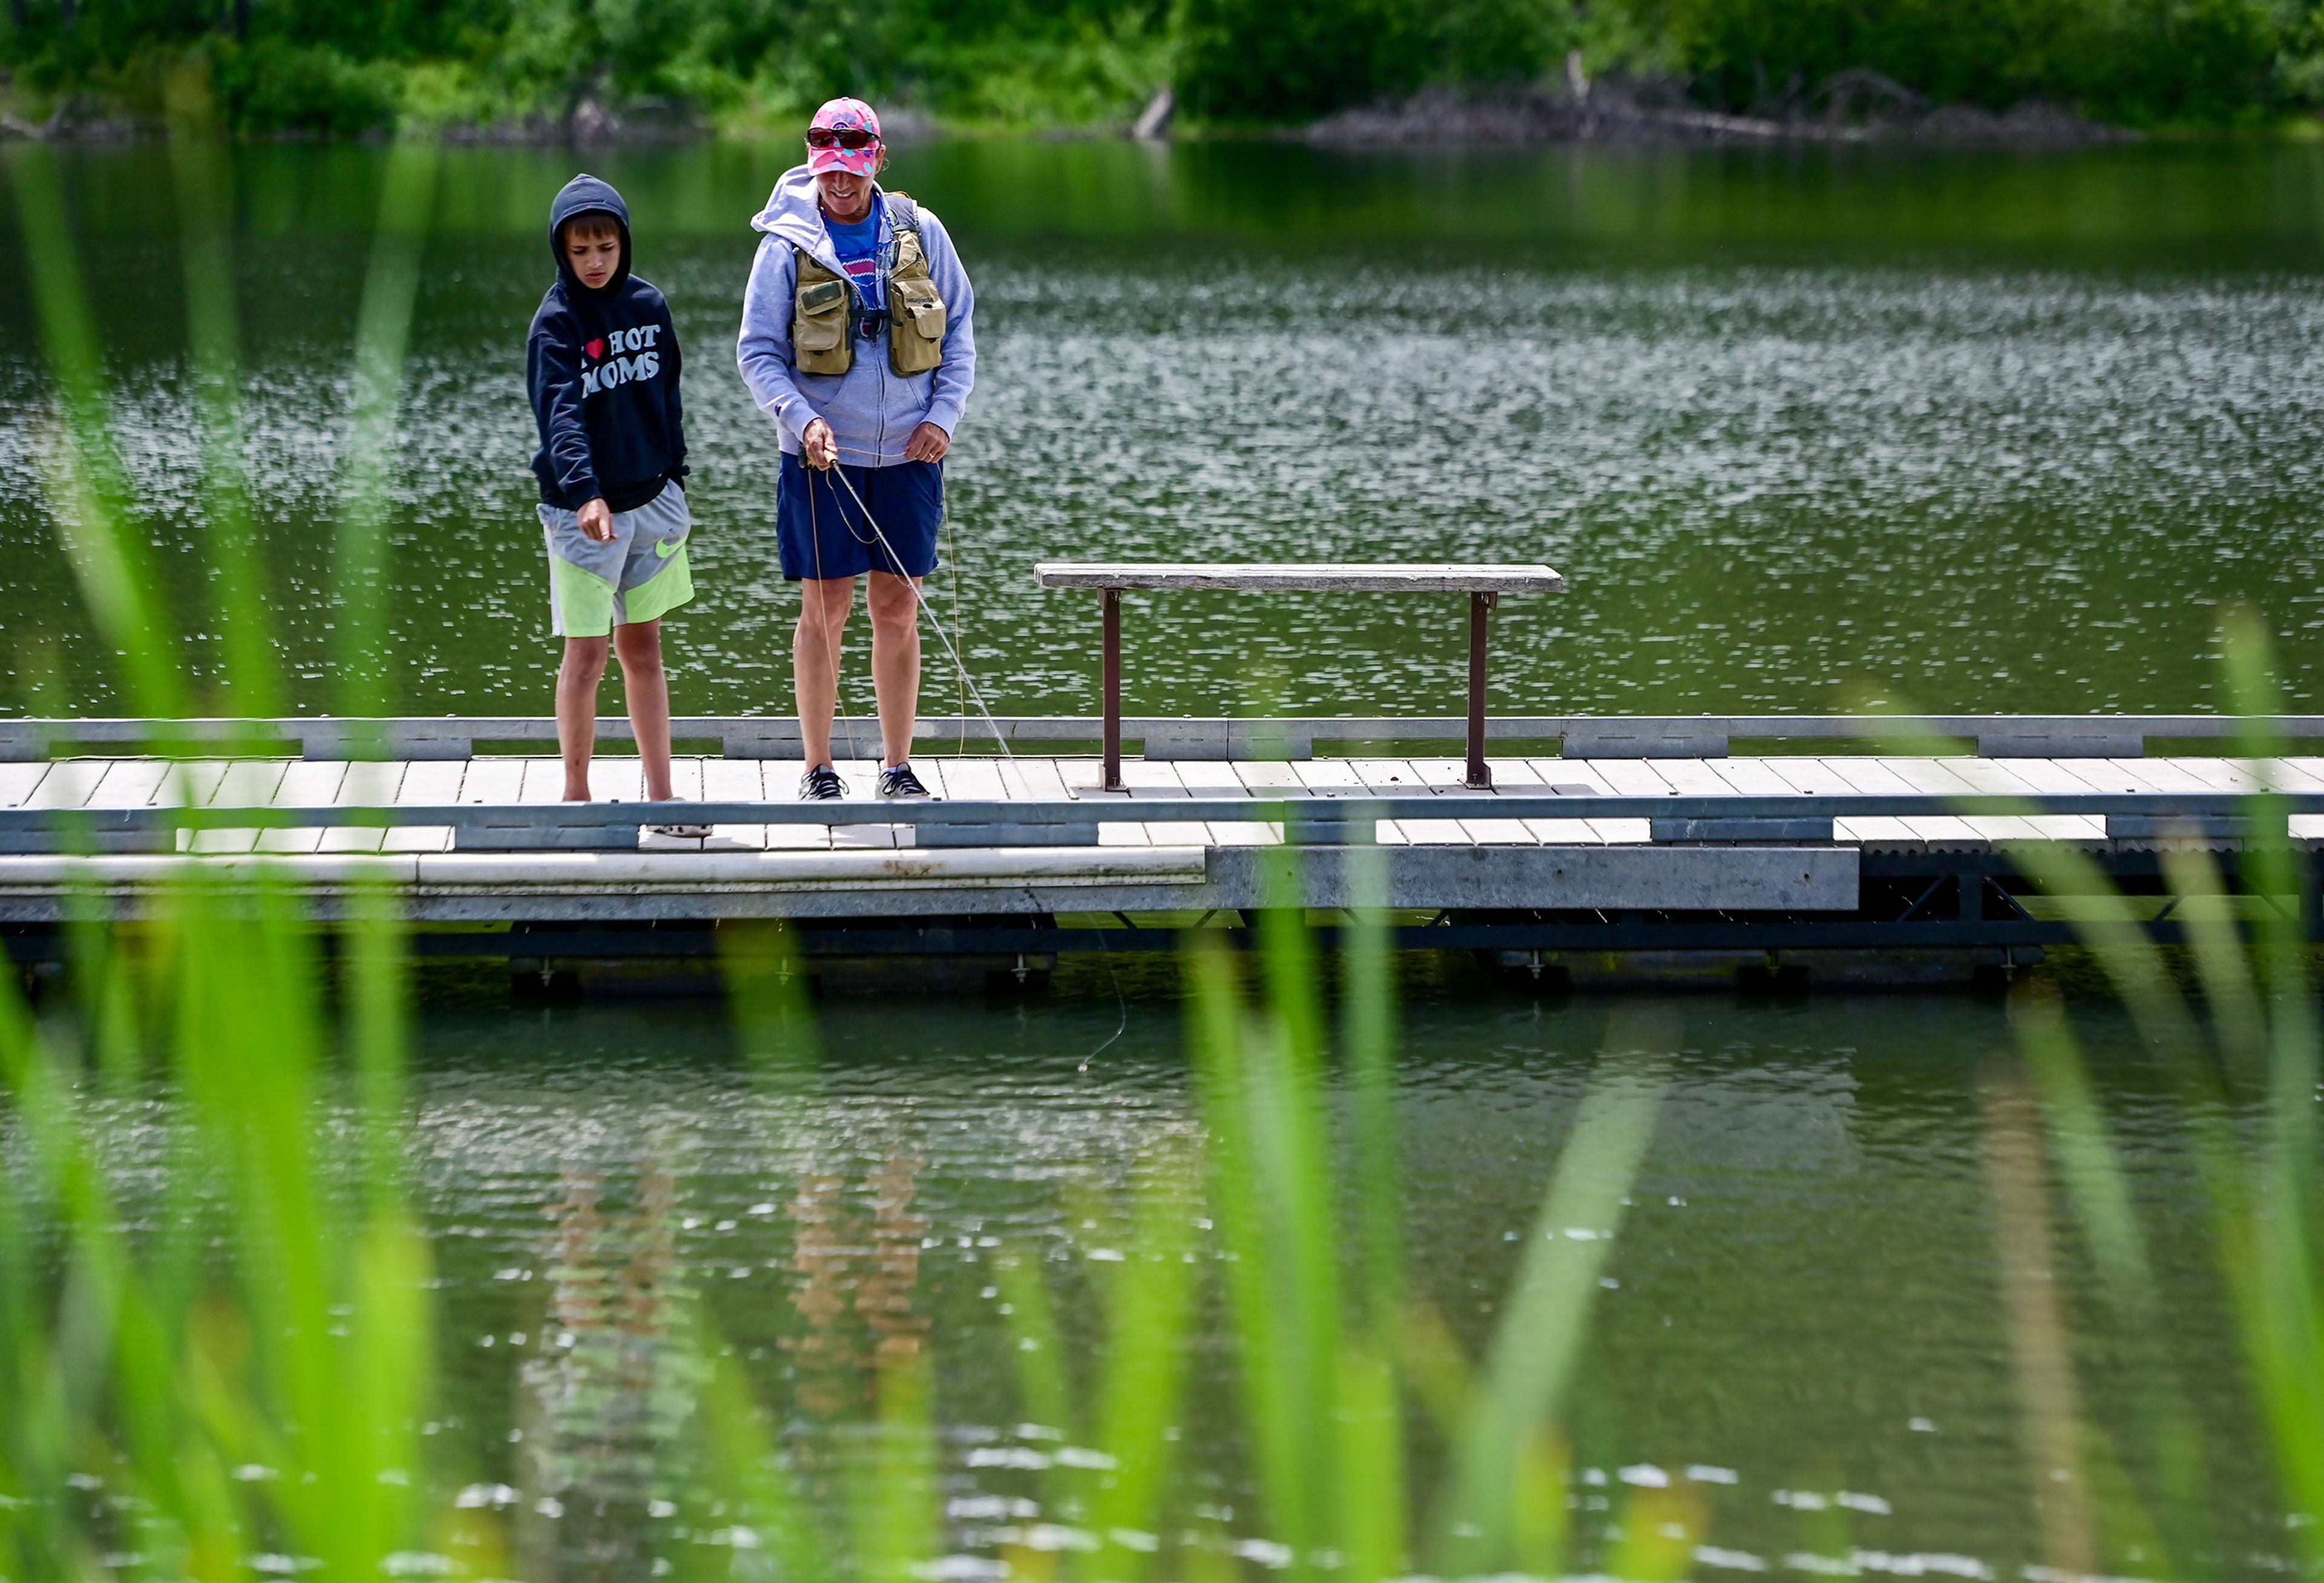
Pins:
x: 952, y: 569
x: 832, y: 643
x: 968, y: 687
x: 968, y: 684
x: 1120, y: 999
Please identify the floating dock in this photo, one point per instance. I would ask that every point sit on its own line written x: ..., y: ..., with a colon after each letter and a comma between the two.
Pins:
x: 1611, y: 839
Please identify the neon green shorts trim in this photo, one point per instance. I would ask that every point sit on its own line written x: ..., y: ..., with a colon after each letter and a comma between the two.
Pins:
x: 642, y: 575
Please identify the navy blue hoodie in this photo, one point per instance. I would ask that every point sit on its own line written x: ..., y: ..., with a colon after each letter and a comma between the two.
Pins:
x: 602, y: 369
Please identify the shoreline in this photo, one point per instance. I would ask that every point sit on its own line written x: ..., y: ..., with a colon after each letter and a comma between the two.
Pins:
x: 1858, y: 107
x: 1604, y: 119
x: 1698, y: 130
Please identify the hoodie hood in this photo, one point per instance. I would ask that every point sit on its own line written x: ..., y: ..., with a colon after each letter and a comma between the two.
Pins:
x: 586, y: 195
x: 794, y: 213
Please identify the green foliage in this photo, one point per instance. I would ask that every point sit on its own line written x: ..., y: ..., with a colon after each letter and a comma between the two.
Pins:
x: 2141, y: 61
x: 303, y: 66
x: 280, y: 86
x: 1093, y: 74
x: 1249, y: 59
x: 1254, y: 61
x: 2205, y: 61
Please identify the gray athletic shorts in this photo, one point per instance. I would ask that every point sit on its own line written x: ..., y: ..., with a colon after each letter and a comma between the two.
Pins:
x: 640, y: 576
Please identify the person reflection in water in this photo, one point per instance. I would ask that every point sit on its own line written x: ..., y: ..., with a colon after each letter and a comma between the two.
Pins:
x: 610, y: 1387
x: 856, y: 1297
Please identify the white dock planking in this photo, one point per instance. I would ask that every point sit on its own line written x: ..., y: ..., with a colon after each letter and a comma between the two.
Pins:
x: 1467, y: 817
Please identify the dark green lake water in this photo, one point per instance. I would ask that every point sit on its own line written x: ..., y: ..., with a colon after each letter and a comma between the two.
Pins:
x: 1802, y: 1311
x: 1983, y: 431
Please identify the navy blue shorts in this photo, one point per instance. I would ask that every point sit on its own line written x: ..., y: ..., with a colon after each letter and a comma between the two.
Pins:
x: 823, y: 531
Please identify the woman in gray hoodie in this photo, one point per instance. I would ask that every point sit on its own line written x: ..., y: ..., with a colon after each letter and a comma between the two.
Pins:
x: 857, y: 340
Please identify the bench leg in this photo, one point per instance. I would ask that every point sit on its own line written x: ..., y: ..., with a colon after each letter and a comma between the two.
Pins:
x: 1111, y: 649
x: 1480, y: 778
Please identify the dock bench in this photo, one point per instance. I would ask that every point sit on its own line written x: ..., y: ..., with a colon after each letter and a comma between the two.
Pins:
x: 1484, y: 585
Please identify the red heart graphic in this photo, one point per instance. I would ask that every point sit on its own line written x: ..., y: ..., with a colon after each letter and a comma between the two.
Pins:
x: 597, y: 348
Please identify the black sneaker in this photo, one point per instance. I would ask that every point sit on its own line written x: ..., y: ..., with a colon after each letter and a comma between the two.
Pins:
x: 901, y: 782
x: 822, y: 785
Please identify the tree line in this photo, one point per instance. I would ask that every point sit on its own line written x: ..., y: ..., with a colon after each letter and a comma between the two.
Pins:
x: 350, y: 67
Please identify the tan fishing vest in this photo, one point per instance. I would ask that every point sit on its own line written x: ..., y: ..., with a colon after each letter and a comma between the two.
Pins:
x: 825, y: 311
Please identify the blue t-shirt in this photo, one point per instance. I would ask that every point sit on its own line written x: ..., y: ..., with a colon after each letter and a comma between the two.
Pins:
x: 858, y: 246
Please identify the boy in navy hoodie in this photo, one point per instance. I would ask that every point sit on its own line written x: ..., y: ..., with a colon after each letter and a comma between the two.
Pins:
x: 602, y: 363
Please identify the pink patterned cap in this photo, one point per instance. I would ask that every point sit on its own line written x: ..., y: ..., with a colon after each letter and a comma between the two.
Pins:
x: 845, y: 115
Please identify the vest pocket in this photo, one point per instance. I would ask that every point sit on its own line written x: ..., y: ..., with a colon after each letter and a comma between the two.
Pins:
x: 820, y: 341
x: 916, y: 330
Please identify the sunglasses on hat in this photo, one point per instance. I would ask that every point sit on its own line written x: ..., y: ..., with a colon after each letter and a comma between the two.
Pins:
x: 842, y: 137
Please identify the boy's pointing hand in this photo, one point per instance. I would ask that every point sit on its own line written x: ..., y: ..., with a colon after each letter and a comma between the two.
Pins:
x: 596, y: 520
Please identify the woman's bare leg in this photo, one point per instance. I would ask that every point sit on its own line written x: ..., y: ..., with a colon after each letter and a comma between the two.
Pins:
x: 895, y: 608
x: 825, y: 604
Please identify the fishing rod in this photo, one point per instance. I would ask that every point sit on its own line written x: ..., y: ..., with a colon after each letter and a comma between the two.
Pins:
x: 968, y: 683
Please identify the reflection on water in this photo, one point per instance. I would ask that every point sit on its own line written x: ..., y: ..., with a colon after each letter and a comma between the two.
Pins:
x: 613, y: 1383
x: 856, y: 1275
x: 1993, y: 431
x: 1808, y: 1313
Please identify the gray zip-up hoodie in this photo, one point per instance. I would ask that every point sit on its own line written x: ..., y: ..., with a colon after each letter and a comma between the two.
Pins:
x: 871, y: 409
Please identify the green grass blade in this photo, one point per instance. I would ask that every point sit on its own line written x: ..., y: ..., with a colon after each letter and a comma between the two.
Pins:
x: 1655, y: 1535
x: 1373, y: 1532
x: 1138, y: 1407
x: 1035, y: 1345
x: 2049, y: 1406
x: 893, y: 1492
x: 2098, y: 1187
x: 2279, y: 1278
x: 2231, y: 994
x: 1275, y: 1400
x: 109, y: 563
x: 2108, y: 925
x: 1286, y: 956
x: 382, y: 337
x: 200, y: 164
x: 1368, y: 1035
x: 767, y: 988
x: 1285, y: 1106
x: 1547, y: 1314
x: 375, y: 975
